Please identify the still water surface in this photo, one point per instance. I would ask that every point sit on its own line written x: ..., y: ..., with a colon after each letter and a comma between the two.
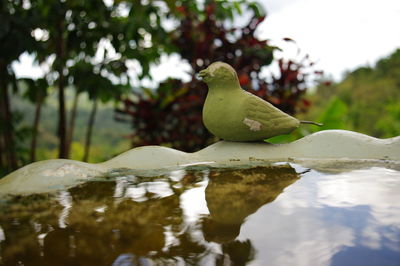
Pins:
x: 273, y: 215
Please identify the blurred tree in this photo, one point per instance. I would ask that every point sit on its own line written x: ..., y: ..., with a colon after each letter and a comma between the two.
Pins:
x: 98, y: 34
x: 171, y: 114
x: 17, y: 22
x: 70, y: 30
x: 98, y: 88
x: 62, y: 34
x: 36, y: 92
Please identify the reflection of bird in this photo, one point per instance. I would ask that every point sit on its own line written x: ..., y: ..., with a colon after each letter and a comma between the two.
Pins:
x: 233, y: 114
x: 232, y: 195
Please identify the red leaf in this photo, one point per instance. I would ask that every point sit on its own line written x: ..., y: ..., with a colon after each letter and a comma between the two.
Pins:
x: 307, y: 103
x: 210, y: 9
x: 181, y: 9
x: 244, y: 79
x: 261, y: 19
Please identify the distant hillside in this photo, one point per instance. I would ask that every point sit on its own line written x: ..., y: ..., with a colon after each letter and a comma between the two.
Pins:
x: 109, y: 136
x: 367, y: 100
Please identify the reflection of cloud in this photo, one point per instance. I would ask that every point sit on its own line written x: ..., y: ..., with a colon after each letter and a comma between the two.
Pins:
x: 319, y: 249
x: 370, y: 237
x: 320, y: 216
x: 377, y: 188
x: 299, y: 238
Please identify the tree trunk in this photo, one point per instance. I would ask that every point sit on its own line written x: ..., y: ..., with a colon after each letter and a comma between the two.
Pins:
x: 62, y: 121
x: 2, y: 157
x: 39, y: 102
x: 6, y: 120
x: 89, y: 131
x: 71, y: 128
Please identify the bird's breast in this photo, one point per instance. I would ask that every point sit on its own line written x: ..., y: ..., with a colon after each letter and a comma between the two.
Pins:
x: 220, y: 115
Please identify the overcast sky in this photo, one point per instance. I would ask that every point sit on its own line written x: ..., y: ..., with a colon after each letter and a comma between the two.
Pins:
x: 339, y: 35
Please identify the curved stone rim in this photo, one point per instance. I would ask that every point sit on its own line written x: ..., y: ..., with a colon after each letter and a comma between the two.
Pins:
x: 333, y: 146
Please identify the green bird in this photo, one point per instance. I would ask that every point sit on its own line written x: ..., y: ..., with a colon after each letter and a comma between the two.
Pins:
x: 234, y: 114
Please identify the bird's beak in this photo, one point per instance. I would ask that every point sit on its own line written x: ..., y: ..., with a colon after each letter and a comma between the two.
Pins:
x: 203, y: 73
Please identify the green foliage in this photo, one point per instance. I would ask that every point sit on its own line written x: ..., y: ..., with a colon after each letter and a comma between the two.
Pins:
x: 21, y: 134
x: 97, y: 86
x: 85, y: 44
x: 389, y: 124
x: 16, y: 23
x: 367, y: 100
x: 334, y: 116
x: 35, y: 90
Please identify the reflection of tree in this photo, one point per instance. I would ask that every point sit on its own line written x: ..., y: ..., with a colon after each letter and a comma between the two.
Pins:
x: 100, y: 227
x: 126, y: 227
x: 189, y: 250
x: 236, y: 253
x: 22, y: 223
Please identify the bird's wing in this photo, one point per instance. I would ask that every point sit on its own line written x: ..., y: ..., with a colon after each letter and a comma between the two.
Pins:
x: 265, y: 113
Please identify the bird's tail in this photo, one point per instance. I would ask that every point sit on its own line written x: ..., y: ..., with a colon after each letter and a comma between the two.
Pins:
x: 311, y: 123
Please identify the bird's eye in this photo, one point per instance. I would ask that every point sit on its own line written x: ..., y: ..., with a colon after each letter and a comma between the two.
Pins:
x: 201, y: 75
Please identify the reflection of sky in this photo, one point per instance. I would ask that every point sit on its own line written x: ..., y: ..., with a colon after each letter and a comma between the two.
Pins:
x: 137, y: 191
x: 330, y: 219
x: 2, y: 235
x: 65, y: 200
x: 193, y: 201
